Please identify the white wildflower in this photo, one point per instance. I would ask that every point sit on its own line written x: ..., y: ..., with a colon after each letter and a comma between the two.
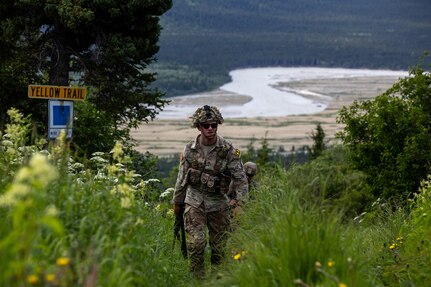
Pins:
x: 98, y: 159
x: 166, y: 193
x: 97, y: 153
x: 7, y: 143
x: 100, y: 175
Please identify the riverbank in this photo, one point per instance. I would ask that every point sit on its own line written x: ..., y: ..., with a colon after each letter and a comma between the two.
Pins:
x: 253, y: 112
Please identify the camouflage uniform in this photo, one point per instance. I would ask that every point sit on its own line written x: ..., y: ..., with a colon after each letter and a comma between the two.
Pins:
x: 202, y: 184
x: 250, y: 169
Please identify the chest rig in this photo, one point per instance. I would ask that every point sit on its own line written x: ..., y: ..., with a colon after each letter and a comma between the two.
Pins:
x: 209, y: 173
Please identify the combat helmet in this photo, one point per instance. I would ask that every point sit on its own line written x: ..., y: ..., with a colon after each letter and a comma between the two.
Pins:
x: 206, y: 114
x: 250, y: 168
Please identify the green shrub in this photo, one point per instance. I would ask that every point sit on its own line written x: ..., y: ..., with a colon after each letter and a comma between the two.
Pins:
x: 331, y: 181
x: 389, y: 136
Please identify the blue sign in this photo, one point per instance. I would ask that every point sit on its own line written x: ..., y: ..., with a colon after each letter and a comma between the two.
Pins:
x: 61, y: 115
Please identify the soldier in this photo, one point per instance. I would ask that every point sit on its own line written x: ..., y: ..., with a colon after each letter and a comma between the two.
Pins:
x: 207, y: 166
x: 250, y: 170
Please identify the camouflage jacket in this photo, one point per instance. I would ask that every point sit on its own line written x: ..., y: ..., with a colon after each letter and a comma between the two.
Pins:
x: 206, y: 178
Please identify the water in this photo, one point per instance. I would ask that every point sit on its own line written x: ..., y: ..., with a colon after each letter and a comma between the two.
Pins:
x: 266, y: 99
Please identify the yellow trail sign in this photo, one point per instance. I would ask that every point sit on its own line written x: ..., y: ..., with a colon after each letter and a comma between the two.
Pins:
x: 57, y: 92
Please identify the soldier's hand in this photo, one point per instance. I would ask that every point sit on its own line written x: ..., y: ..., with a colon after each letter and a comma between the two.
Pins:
x: 233, y: 202
x: 178, y: 208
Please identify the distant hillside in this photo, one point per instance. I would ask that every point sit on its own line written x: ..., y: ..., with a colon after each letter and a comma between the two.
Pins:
x: 202, y: 40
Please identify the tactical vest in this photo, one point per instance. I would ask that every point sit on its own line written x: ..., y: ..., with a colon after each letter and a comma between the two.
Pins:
x: 216, y: 179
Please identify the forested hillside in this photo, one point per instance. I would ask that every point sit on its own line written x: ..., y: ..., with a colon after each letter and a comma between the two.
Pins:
x: 203, y: 40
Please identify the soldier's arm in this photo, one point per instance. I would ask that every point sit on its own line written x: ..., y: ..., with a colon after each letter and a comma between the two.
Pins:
x: 239, y: 178
x: 181, y: 183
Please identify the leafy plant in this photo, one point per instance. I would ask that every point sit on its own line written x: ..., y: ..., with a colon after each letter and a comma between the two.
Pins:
x: 389, y: 136
x: 77, y: 43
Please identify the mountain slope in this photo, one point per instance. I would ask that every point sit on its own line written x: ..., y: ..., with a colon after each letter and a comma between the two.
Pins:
x: 203, y: 39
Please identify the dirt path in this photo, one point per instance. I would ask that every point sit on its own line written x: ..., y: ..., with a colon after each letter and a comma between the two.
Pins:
x: 165, y: 137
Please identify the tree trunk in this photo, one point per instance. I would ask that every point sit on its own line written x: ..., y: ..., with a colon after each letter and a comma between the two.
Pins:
x: 60, y: 59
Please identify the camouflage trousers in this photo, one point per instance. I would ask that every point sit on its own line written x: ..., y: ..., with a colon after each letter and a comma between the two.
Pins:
x: 196, y: 220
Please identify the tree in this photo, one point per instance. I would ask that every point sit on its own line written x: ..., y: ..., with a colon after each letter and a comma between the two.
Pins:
x: 263, y: 153
x: 103, y: 44
x: 318, y: 138
x: 390, y: 136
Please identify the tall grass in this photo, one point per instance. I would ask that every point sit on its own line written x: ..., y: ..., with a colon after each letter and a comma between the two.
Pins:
x: 287, y: 237
x: 284, y: 240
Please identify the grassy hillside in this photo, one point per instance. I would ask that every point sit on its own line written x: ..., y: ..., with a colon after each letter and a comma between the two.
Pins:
x: 65, y: 223
x: 202, y: 40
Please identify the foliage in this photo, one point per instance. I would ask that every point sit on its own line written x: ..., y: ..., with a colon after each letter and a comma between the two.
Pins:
x: 13, y: 87
x: 65, y: 223
x: 94, y: 130
x: 331, y: 182
x: 389, y: 136
x: 319, y: 144
x: 182, y: 79
x: 105, y: 45
x: 144, y: 163
x: 403, y: 259
x: 263, y: 153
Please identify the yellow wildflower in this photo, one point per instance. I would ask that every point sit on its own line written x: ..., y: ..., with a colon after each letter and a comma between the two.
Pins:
x: 139, y: 221
x: 392, y: 247
x: 63, y: 261
x: 117, y: 152
x: 126, y: 202
x: 342, y: 285
x: 33, y: 279
x: 125, y: 189
x: 14, y: 194
x: 157, y: 208
x: 170, y: 213
x: 51, y: 210
x: 42, y: 170
x: 112, y: 169
x: 50, y: 277
x: 237, y: 256
x: 331, y: 263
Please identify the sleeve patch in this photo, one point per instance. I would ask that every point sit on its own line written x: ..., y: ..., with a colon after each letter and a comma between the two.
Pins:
x: 237, y: 152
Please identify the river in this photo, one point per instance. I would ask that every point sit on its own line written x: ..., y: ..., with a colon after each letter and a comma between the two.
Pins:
x: 264, y: 93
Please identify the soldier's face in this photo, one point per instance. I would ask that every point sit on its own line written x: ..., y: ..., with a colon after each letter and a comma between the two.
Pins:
x: 208, y: 129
